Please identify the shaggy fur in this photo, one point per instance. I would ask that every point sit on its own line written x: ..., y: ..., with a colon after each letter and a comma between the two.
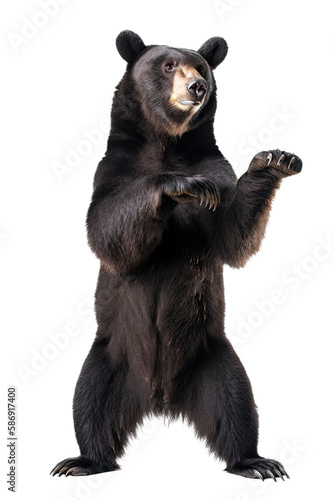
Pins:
x: 166, y: 213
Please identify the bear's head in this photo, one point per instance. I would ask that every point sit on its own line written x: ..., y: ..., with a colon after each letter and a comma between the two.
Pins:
x: 173, y: 89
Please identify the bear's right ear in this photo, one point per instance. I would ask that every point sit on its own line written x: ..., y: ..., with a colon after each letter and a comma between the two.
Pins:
x: 129, y: 45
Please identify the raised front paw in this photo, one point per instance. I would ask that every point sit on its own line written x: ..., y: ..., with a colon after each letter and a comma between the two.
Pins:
x: 185, y: 189
x: 284, y: 163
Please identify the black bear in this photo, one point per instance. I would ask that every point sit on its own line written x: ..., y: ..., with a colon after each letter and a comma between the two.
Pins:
x: 167, y: 213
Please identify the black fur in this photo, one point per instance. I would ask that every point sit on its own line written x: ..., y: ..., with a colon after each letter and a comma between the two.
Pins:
x: 129, y: 45
x: 166, y: 213
x: 214, y: 51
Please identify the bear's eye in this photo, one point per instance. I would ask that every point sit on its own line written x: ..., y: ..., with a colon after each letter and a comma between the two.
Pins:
x: 169, y: 67
x: 200, y: 70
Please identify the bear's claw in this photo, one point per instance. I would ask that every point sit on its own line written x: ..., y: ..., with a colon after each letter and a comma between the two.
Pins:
x: 185, y: 189
x: 80, y: 466
x: 259, y: 468
x: 291, y: 162
x: 286, y: 163
x: 269, y: 158
x: 281, y: 159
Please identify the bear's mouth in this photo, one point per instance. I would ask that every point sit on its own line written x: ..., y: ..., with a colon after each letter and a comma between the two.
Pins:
x: 190, y: 103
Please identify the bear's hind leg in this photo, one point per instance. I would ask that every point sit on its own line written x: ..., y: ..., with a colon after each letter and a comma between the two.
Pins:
x: 221, y: 406
x: 106, y: 413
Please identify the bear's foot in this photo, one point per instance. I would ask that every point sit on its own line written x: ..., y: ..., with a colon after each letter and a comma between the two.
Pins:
x: 81, y: 466
x: 259, y: 468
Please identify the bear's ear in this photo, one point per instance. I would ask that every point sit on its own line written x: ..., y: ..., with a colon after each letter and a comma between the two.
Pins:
x: 214, y: 51
x: 129, y: 45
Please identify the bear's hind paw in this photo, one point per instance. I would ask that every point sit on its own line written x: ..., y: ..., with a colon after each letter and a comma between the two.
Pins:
x: 80, y: 466
x: 259, y: 468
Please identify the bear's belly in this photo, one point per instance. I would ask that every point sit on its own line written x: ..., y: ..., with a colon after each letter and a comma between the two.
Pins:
x: 161, y: 321
x: 190, y: 299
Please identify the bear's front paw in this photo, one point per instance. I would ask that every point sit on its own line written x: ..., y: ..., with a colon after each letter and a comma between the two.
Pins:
x: 284, y: 163
x: 186, y: 189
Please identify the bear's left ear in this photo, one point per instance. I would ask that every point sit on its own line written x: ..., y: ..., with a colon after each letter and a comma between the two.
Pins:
x: 214, y: 51
x: 129, y: 45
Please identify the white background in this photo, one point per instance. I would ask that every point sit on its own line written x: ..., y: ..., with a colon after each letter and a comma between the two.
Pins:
x: 58, y: 81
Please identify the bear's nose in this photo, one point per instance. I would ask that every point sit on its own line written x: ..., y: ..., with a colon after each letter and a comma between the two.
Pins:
x: 197, y: 88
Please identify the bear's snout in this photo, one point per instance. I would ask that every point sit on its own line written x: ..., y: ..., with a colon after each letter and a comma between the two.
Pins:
x: 197, y: 88
x: 189, y: 88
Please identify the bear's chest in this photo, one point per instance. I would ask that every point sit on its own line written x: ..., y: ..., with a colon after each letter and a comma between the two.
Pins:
x: 190, y: 227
